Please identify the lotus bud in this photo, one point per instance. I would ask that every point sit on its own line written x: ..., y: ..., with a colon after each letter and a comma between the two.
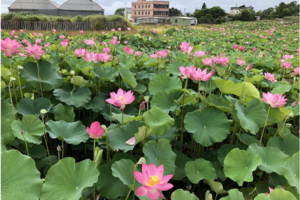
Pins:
x: 20, y: 67
x: 288, y: 125
x: 58, y: 148
x: 12, y: 79
x: 141, y: 160
x: 291, y: 115
x: 295, y: 103
x: 72, y: 72
x: 131, y: 141
x: 22, y: 132
x: 142, y: 106
x: 249, y: 67
x: 43, y: 111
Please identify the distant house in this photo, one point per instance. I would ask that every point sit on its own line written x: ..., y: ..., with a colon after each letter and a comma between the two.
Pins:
x: 128, y: 14
x: 152, y: 20
x: 184, y: 21
x: 238, y: 10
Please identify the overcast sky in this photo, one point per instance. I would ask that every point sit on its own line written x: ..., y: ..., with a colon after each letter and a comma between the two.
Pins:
x: 190, y: 5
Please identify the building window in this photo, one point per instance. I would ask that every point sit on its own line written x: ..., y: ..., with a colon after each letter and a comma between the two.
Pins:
x: 237, y: 12
x: 135, y: 13
x: 139, y: 6
x: 142, y: 6
x: 148, y: 6
x: 139, y: 12
x: 142, y: 12
x: 176, y: 20
x: 148, y: 12
x: 134, y: 6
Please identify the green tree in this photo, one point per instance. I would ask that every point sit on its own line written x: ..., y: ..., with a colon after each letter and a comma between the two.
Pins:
x: 247, y: 15
x: 174, y: 12
x: 203, y: 6
x: 201, y: 13
x: 188, y: 14
x: 217, y: 12
x: 120, y: 11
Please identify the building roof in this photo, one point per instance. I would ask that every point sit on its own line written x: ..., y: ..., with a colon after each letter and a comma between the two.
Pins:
x: 81, y: 5
x: 34, y: 5
x: 178, y: 17
x: 153, y: 17
x: 241, y: 7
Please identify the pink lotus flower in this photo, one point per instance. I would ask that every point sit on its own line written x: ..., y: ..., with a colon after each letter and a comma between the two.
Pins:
x: 119, y: 29
x: 153, y: 55
x: 240, y: 61
x: 185, y: 47
x: 294, y: 103
x: 254, y: 50
x: 241, y: 48
x: 271, y: 189
x: 127, y: 50
x: 221, y: 60
x: 113, y: 30
x: 96, y: 131
x: 208, y: 61
x: 286, y: 57
x: 138, y: 53
x: 199, y: 54
x: 235, y: 46
x: 104, y: 57
x: 153, y: 181
x: 10, y: 47
x: 121, y: 98
x: 53, y: 30
x: 270, y: 77
x: 114, y: 41
x: 275, y: 100
x: 106, y: 50
x: 89, y: 42
x: 162, y: 54
x: 22, y: 55
x: 91, y: 57
x: 298, y: 50
x: 154, y: 31
x: 286, y: 65
x: 249, y: 67
x: 125, y: 42
x: 199, y: 75
x: 81, y: 31
x: 24, y: 41
x: 186, y: 71
x: 65, y: 43
x: 35, y: 51
x: 142, y: 105
x: 80, y: 52
x: 128, y: 28
x: 297, y: 70
x: 131, y: 141
x: 62, y: 37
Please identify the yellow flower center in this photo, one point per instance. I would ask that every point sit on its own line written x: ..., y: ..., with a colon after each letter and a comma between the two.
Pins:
x: 121, y: 97
x: 153, y: 180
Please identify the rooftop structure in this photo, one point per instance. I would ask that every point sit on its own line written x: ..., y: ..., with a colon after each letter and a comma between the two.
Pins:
x: 237, y: 10
x: 143, y: 8
x: 80, y: 7
x: 46, y: 7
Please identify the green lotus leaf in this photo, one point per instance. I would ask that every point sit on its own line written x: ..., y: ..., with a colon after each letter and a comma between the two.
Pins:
x: 234, y: 194
x: 180, y: 162
x: 277, y: 115
x: 247, y: 139
x: 199, y: 169
x: 272, y: 158
x: 123, y: 169
x: 20, y: 180
x: 215, y: 186
x: 277, y: 194
x: 289, y: 145
x: 63, y: 112
x: 165, y: 101
x: 181, y: 194
x: 217, y: 102
x: 7, y: 135
x: 49, y: 78
x: 119, y: 136
x: 109, y: 186
x: 291, y: 172
x: 208, y: 126
x: 37, y: 151
x: 68, y: 179
x: 126, y: 61
x: 158, y: 120
x: 79, y: 81
x: 128, y: 77
x: 33, y: 107
x: 164, y: 83
x: 281, y: 89
x: 31, y: 127
x: 173, y: 68
x: 70, y: 132
x: 96, y: 104
x: 77, y: 98
x: 229, y: 87
x: 143, y: 133
x: 160, y: 153
x: 106, y: 73
x: 6, y: 110
x: 253, y: 116
x: 239, y: 165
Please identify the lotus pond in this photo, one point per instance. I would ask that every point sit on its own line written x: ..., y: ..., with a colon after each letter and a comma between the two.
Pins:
x: 189, y: 114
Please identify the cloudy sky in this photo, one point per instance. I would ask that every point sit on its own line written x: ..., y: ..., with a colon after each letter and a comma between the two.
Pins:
x: 111, y: 5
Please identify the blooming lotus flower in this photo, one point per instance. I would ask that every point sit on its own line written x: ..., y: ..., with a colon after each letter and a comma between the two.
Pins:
x: 53, y: 30
x: 80, y: 52
x: 96, y: 131
x: 125, y: 42
x: 65, y: 43
x: 104, y: 57
x: 121, y: 98
x: 235, y: 46
x: 35, y: 51
x: 119, y: 29
x: 241, y: 48
x: 153, y: 55
x: 254, y: 49
x: 240, y: 61
x: 186, y: 71
x: 47, y: 44
x: 162, y: 54
x: 199, y: 54
x: 62, y: 37
x: 10, y: 47
x: 185, y: 47
x: 22, y: 55
x: 208, y: 61
x: 199, y: 75
x: 138, y: 53
x: 297, y: 70
x: 89, y: 42
x: 128, y: 28
x: 106, y: 50
x: 38, y: 41
x: 91, y: 57
x: 81, y: 31
x: 127, y: 50
x: 275, y: 100
x: 286, y: 65
x: 153, y: 181
x: 114, y: 41
x: 286, y: 57
x: 24, y: 41
x: 298, y: 50
x: 221, y: 60
x: 154, y: 31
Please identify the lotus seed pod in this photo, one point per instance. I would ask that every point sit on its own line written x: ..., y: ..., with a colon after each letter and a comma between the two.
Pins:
x: 43, y: 111
x: 141, y: 160
x: 12, y: 79
x: 20, y: 67
x: 72, y: 72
